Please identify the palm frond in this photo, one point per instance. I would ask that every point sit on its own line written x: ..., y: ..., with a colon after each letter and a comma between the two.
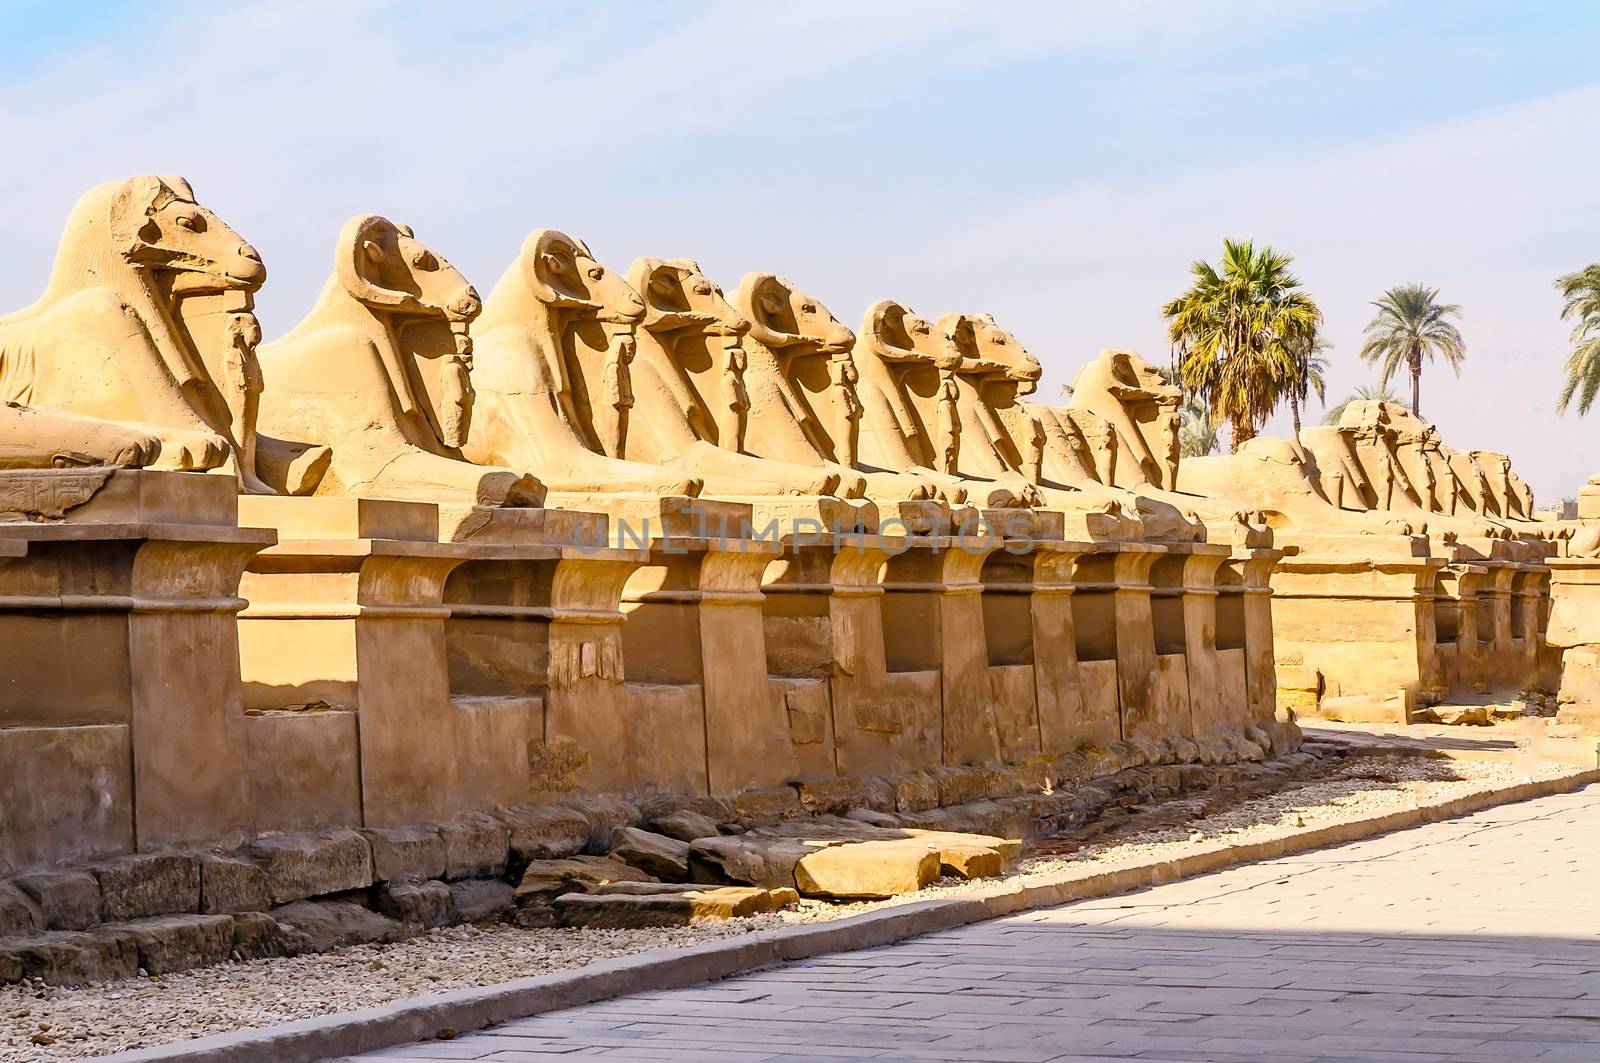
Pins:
x: 1581, y: 292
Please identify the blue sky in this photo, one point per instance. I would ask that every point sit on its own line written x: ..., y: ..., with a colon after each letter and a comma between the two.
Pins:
x: 1056, y: 164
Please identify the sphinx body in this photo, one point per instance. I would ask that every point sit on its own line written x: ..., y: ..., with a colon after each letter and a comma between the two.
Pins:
x: 1283, y: 481
x: 1123, y: 407
x: 1397, y: 453
x: 802, y: 380
x: 33, y: 438
x: 911, y: 419
x: 380, y: 371
x: 1003, y: 437
x: 147, y: 326
x: 553, y: 371
x: 692, y: 392
x: 1077, y: 449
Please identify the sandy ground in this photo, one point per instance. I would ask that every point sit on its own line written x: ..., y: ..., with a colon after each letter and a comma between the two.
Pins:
x: 43, y: 1023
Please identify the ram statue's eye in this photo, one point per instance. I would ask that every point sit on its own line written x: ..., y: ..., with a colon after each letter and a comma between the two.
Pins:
x: 808, y: 308
x: 702, y: 288
x: 192, y: 222
x: 596, y: 272
x: 424, y: 260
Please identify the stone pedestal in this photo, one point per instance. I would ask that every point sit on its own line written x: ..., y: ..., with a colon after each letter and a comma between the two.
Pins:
x: 1574, y: 629
x: 1358, y: 622
x: 121, y: 722
x: 1114, y: 624
x: 350, y: 614
x: 1184, y: 599
x: 849, y: 712
x: 694, y: 619
x: 1046, y: 581
x: 933, y: 620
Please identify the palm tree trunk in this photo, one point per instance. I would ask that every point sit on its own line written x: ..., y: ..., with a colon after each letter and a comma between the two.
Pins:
x: 1416, y: 379
x: 1242, y: 432
x: 1294, y: 412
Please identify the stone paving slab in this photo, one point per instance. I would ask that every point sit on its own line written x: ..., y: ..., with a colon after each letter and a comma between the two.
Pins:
x: 1469, y: 940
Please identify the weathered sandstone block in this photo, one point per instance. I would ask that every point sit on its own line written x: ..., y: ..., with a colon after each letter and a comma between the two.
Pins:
x: 657, y: 854
x: 474, y: 847
x: 867, y: 870
x: 145, y: 884
x: 406, y: 854
x: 229, y: 884
x: 478, y: 900
x: 544, y: 832
x: 331, y: 924
x: 419, y: 905
x: 69, y: 900
x: 171, y: 943
x: 309, y: 865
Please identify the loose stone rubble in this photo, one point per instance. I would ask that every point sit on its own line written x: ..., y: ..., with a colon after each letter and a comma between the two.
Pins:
x: 104, y: 1018
x: 443, y: 608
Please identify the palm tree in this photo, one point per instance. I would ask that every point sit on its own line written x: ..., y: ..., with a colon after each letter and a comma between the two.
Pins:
x: 1582, y: 293
x: 1311, y: 376
x: 1235, y: 332
x: 1364, y: 393
x: 1412, y: 324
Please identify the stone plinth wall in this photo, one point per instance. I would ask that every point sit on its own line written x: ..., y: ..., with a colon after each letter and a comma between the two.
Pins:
x: 1573, y: 631
x: 339, y: 664
x: 1373, y: 638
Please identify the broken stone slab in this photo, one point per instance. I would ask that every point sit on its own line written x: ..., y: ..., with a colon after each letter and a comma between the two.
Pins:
x: 716, y: 809
x: 405, y: 854
x: 661, y: 856
x: 544, y: 832
x: 965, y: 855
x: 604, y: 814
x: 230, y: 884
x: 965, y: 860
x: 751, y: 861
x: 73, y: 957
x: 146, y: 884
x: 915, y: 792
x: 420, y: 905
x: 649, y: 889
x: 762, y: 807
x: 544, y: 880
x: 258, y: 936
x: 18, y: 912
x: 831, y: 794
x: 630, y: 910
x: 331, y: 924
x: 686, y: 825
x: 872, y: 817
x: 867, y: 870
x: 68, y: 900
x: 309, y: 865
x: 168, y: 943
x: 479, y: 900
x: 474, y: 847
x: 1461, y: 715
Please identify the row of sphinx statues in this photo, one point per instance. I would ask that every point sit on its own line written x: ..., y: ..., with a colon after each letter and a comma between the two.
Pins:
x: 572, y: 379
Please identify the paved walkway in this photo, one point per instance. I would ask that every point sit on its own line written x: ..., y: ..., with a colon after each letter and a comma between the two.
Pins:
x: 1475, y: 939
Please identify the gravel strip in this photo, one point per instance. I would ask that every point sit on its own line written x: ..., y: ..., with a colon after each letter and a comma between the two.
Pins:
x: 103, y: 1019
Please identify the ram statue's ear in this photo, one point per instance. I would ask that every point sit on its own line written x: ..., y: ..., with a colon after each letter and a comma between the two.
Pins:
x: 661, y: 283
